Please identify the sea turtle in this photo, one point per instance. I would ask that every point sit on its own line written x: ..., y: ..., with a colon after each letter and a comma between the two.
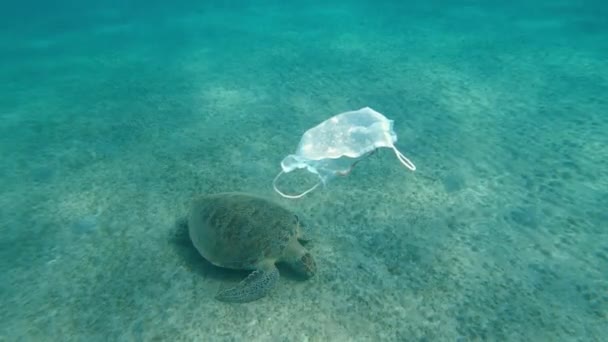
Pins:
x: 243, y: 231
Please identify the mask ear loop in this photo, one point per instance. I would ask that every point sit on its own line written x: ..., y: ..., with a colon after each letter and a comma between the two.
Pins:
x: 274, y: 185
x: 403, y: 159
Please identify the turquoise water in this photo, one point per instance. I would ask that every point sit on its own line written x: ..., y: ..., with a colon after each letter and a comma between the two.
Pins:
x: 113, y: 116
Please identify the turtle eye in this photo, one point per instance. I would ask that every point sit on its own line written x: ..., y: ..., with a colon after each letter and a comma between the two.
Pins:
x: 298, y: 222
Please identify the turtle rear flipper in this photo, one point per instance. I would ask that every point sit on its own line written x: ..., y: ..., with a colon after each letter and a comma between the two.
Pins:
x: 255, y: 286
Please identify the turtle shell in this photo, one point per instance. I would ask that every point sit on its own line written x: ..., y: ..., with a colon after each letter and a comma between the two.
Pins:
x: 238, y: 230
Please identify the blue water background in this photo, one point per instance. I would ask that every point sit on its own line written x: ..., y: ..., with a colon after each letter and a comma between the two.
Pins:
x: 113, y: 114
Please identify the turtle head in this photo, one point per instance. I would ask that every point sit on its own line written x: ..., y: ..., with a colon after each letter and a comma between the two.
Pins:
x: 302, y: 229
x: 305, y: 265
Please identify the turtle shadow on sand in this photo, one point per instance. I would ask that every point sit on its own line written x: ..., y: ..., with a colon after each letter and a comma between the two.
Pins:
x: 182, y: 245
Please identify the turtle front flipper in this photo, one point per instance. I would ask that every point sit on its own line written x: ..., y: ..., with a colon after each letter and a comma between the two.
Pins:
x: 255, y: 286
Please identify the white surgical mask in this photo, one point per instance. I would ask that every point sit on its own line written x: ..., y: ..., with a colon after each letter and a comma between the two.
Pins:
x: 334, y: 146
